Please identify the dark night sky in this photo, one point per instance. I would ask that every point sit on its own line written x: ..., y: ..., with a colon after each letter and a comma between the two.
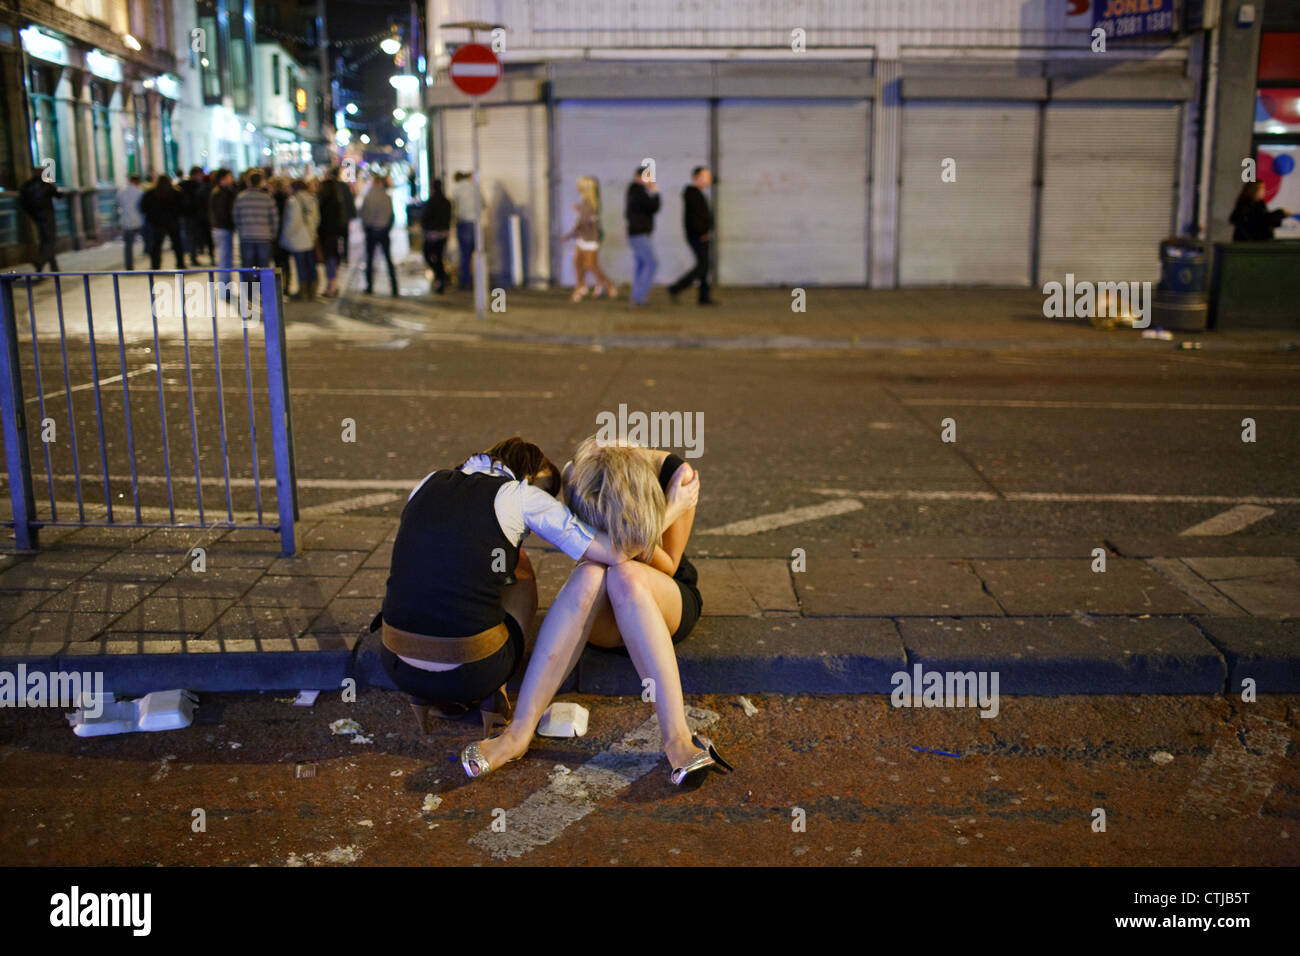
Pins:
x: 368, y: 69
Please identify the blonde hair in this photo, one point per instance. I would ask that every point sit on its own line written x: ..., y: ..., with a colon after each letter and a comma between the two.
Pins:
x: 614, y: 489
x: 589, y: 190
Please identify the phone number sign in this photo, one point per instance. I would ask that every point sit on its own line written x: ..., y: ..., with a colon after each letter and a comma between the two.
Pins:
x: 1133, y: 18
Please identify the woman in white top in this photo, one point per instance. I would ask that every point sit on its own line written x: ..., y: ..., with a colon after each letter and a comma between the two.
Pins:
x: 461, y: 592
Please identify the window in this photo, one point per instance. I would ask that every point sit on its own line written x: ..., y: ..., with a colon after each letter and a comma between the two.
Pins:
x: 275, y: 73
x: 1277, y: 126
x: 45, y: 127
x: 239, y: 75
x: 291, y: 82
x: 209, y: 65
x: 103, y: 144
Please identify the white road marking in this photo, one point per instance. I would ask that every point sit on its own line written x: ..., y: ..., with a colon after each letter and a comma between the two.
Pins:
x: 1230, y: 521
x: 1029, y: 403
x: 1195, y: 587
x: 111, y: 380
x: 784, y: 519
x: 1057, y: 496
x: 348, y: 504
x: 569, y: 797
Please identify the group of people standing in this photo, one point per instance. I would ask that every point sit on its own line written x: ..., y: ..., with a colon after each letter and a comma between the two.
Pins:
x: 641, y: 205
x: 276, y: 219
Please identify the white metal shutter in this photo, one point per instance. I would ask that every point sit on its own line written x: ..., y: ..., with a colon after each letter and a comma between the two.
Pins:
x: 512, y: 160
x: 1109, y: 190
x: 608, y: 139
x: 978, y: 228
x: 792, y: 192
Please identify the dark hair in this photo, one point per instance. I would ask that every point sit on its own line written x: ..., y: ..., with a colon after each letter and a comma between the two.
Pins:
x: 437, y: 186
x: 642, y: 170
x: 254, y: 178
x: 697, y: 170
x: 298, y: 185
x: 196, y: 171
x: 134, y: 178
x: 164, y: 182
x: 1247, y: 194
x: 527, y: 462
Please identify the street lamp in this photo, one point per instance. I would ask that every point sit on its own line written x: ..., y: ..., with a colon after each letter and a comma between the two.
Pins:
x: 390, y: 45
x: 365, y: 138
x: 351, y: 109
x: 399, y: 114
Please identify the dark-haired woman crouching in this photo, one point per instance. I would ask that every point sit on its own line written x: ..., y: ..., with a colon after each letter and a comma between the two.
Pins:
x: 460, y: 590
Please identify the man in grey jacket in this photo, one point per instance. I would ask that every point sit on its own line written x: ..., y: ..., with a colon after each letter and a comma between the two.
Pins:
x: 130, y: 217
x: 377, y: 219
x: 258, y: 223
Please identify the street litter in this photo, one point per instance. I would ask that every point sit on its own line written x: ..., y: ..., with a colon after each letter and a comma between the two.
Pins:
x: 564, y: 720
x: 431, y: 802
x: 1190, y: 345
x: 362, y: 739
x: 941, y: 753
x: 747, y: 706
x: 306, y: 698
x: 160, y: 710
x: 345, y: 725
x: 305, y: 770
x: 1161, y: 334
x: 1162, y: 757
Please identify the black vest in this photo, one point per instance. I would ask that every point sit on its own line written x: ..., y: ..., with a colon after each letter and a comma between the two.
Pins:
x: 451, y: 559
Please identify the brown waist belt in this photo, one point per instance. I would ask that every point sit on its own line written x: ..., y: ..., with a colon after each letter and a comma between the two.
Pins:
x: 445, y: 650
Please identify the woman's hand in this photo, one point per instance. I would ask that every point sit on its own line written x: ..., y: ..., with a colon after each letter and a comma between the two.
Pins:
x: 683, y: 494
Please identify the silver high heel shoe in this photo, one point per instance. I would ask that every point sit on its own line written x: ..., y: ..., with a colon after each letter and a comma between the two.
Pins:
x: 693, y: 774
x: 472, y: 757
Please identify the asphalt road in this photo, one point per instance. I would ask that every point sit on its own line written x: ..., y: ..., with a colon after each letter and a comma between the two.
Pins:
x: 1181, y: 781
x: 1057, y: 443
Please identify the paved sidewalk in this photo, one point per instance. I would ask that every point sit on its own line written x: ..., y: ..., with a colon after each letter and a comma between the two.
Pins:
x: 1170, y: 615
x: 747, y: 318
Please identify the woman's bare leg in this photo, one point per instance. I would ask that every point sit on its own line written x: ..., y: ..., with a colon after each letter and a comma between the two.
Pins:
x: 559, y: 645
x: 642, y: 598
x: 600, y: 274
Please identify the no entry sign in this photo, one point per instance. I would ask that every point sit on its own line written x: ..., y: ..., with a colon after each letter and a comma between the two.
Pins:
x: 474, y: 69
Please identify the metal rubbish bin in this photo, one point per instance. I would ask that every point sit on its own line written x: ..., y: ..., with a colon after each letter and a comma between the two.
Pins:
x: 1182, y: 298
x: 1180, y: 311
x: 1183, y: 265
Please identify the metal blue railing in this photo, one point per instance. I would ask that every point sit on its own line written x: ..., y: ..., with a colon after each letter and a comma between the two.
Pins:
x: 259, y: 294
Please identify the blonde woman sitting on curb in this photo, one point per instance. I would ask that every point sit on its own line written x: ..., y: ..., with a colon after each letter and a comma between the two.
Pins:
x: 644, y: 500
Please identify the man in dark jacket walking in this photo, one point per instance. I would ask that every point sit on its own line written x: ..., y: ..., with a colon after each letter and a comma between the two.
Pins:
x: 436, y: 223
x: 37, y: 199
x: 699, y: 234
x: 639, y: 211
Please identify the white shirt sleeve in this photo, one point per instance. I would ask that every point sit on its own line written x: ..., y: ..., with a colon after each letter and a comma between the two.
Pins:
x: 521, y: 508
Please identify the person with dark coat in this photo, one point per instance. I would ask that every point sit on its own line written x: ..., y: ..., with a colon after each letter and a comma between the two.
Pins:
x: 221, y: 208
x: 1251, y: 218
x: 699, y: 233
x: 37, y: 200
x: 333, y: 231
x: 435, y: 221
x: 279, y: 187
x: 189, y: 199
x: 162, y: 212
x: 639, y: 210
x: 202, y: 216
